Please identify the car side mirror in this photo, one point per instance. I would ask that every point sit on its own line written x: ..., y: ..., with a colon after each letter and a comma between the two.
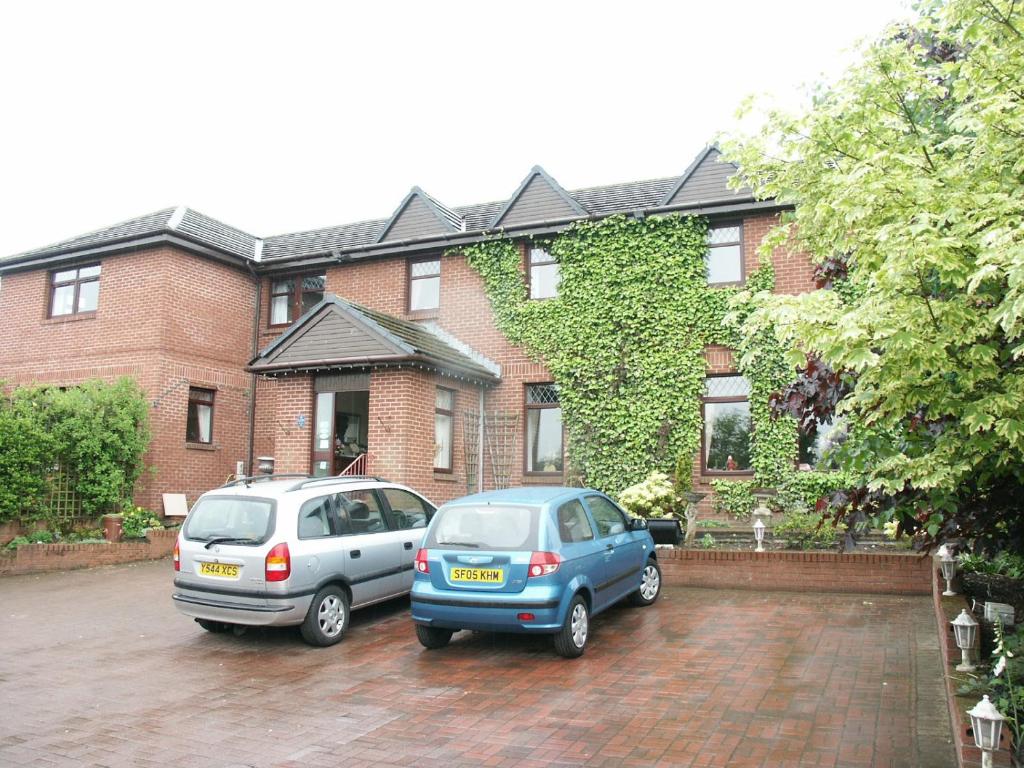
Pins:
x: 638, y: 524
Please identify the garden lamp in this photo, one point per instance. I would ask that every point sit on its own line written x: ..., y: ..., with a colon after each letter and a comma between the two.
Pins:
x: 759, y: 534
x: 948, y: 565
x: 986, y: 722
x: 965, y: 630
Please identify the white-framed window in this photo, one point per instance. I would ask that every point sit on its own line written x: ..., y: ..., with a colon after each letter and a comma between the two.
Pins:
x: 444, y: 418
x: 424, y: 284
x: 544, y: 274
x: 727, y: 425
x: 724, y: 258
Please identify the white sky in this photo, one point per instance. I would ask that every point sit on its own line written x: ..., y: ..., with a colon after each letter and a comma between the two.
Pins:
x: 277, y: 117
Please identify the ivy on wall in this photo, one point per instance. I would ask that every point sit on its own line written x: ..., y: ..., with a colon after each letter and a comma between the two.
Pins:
x: 624, y: 340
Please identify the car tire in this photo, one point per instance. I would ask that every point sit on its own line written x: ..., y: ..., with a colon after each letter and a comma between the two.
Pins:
x: 213, y: 626
x: 650, y: 584
x: 327, y: 618
x: 571, y: 639
x: 433, y: 637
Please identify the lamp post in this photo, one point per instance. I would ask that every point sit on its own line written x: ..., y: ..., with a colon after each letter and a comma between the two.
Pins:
x: 948, y: 565
x: 759, y: 534
x: 986, y: 722
x: 965, y: 630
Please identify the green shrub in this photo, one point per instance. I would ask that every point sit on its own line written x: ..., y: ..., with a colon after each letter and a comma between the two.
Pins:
x: 805, y: 530
x: 708, y: 541
x: 135, y: 521
x: 27, y: 450
x: 801, y: 490
x: 36, y: 537
x: 1003, y: 564
x: 733, y: 497
x: 654, y: 497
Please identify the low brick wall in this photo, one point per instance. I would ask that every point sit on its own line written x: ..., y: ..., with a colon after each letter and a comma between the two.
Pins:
x: 874, y: 573
x: 36, y: 558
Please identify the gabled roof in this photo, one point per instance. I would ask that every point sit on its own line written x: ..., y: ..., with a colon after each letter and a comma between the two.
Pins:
x: 418, y: 215
x: 538, y: 195
x: 705, y: 180
x: 337, y: 334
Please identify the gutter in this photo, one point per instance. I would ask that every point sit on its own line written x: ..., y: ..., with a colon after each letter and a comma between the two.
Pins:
x: 254, y: 376
x: 366, y: 362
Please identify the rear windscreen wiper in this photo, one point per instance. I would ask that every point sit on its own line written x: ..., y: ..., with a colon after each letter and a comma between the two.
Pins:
x: 229, y: 540
x: 459, y: 544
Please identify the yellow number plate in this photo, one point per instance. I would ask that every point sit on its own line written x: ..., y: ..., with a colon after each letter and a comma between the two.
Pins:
x: 479, y: 575
x: 223, y: 570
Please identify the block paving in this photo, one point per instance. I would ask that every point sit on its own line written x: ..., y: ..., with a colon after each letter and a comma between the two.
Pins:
x: 98, y: 669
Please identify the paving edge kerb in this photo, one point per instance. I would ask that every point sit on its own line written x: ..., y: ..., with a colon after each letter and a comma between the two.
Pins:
x: 40, y: 558
x: 871, y: 573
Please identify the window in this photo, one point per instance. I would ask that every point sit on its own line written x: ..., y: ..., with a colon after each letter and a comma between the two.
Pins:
x: 424, y: 285
x: 543, y: 429
x: 727, y: 425
x: 444, y: 409
x: 287, y: 293
x: 360, y: 512
x: 725, y: 254
x: 573, y: 523
x: 407, y: 509
x: 75, y: 291
x: 315, y: 518
x: 544, y: 275
x: 609, y: 518
x: 199, y: 428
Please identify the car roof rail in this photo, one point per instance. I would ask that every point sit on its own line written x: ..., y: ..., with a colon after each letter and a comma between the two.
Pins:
x: 250, y: 479
x: 334, y: 479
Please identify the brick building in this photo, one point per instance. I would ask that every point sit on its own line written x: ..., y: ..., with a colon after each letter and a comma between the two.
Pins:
x: 370, y: 346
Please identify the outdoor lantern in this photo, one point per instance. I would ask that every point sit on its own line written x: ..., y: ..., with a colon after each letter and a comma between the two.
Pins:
x: 759, y: 534
x: 986, y: 722
x: 965, y: 629
x: 948, y: 565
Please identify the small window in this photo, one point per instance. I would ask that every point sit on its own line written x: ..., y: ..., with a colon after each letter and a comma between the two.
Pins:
x: 725, y: 254
x: 291, y: 297
x: 315, y: 518
x: 544, y: 275
x: 573, y: 523
x: 407, y: 509
x: 199, y: 428
x: 444, y: 410
x: 424, y: 285
x: 75, y: 291
x: 543, y: 429
x: 727, y: 425
x: 609, y: 518
x: 360, y: 512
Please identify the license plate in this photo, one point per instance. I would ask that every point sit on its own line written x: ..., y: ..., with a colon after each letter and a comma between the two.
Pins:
x: 221, y: 570
x: 477, y: 575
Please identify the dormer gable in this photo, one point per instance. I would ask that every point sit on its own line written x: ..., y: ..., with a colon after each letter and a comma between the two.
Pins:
x: 538, y: 198
x: 706, y: 180
x: 420, y: 215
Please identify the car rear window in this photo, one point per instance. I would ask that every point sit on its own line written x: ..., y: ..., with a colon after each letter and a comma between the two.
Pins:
x: 487, y: 526
x: 244, y: 520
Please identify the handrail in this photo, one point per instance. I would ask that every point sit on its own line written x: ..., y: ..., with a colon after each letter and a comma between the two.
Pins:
x: 357, y: 467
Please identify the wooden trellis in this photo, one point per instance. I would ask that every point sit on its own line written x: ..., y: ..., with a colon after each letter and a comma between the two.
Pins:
x: 471, y: 448
x: 501, y: 434
x: 62, y: 504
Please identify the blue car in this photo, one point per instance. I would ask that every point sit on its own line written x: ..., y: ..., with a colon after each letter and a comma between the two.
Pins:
x: 537, y: 560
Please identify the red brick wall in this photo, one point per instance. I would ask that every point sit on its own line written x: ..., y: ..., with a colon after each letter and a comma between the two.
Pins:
x: 893, y: 574
x: 37, y: 558
x: 167, y: 318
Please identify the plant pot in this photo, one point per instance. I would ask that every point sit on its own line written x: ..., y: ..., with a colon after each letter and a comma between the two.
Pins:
x: 112, y: 527
x: 666, y: 530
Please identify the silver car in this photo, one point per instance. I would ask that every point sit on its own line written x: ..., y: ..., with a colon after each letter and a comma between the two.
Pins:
x: 297, y: 551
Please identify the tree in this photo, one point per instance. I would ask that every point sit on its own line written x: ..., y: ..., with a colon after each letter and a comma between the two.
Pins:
x: 907, y: 177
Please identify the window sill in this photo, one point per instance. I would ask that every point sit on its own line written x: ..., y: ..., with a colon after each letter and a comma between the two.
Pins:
x: 201, y: 446
x: 69, y: 318
x: 445, y: 477
x: 724, y: 475
x: 423, y: 314
x: 543, y: 479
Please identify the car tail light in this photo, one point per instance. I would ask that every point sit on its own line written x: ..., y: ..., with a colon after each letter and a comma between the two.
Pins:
x: 279, y: 563
x: 544, y: 563
x: 525, y: 616
x: 422, y: 566
x: 177, y: 555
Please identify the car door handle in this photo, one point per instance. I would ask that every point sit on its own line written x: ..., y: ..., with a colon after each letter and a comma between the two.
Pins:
x: 610, y: 547
x: 354, y: 554
x: 408, y: 545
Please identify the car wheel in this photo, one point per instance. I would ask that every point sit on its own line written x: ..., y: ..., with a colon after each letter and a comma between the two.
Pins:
x: 571, y: 639
x: 433, y: 637
x: 213, y: 626
x: 650, y: 584
x: 327, y: 617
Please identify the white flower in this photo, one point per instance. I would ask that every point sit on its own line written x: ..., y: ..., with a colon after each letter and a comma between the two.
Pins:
x: 1000, y: 666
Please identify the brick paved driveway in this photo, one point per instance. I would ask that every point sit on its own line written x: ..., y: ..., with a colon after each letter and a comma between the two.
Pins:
x: 97, y: 668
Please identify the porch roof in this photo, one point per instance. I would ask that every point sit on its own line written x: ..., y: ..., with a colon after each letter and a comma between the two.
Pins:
x: 337, y: 334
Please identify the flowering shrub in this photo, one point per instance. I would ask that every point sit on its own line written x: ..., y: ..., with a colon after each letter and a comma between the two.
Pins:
x: 137, y: 520
x: 655, y: 497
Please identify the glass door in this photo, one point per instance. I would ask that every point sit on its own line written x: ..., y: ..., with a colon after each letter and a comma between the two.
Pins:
x: 323, y: 435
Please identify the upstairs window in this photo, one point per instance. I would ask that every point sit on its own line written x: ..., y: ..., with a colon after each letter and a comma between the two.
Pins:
x: 543, y: 429
x: 75, y: 291
x: 544, y: 275
x: 725, y: 254
x: 291, y: 297
x: 199, y: 427
x: 424, y: 285
x: 444, y: 412
x: 727, y: 425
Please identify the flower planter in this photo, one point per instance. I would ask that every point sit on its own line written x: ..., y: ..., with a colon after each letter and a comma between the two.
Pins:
x: 666, y: 530
x: 112, y: 528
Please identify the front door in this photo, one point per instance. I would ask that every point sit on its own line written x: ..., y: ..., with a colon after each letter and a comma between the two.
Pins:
x: 323, y: 435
